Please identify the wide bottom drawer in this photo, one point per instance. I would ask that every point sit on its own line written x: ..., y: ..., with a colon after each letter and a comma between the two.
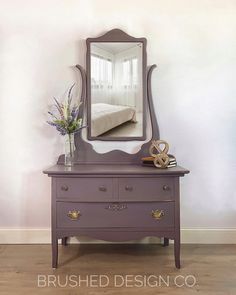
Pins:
x: 92, y: 215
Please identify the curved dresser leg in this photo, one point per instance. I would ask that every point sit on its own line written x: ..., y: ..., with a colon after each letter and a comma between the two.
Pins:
x: 64, y: 241
x: 177, y: 251
x: 54, y: 252
x: 166, y: 242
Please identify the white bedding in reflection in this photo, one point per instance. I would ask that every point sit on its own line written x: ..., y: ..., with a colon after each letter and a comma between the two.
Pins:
x: 105, y: 117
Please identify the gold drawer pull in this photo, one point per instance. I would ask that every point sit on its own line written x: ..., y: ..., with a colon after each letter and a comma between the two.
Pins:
x: 74, y: 214
x: 64, y: 188
x: 102, y: 188
x: 116, y: 207
x: 157, y: 214
x: 128, y: 188
x: 166, y: 188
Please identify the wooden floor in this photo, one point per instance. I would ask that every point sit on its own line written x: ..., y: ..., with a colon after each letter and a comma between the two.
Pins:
x: 214, y: 267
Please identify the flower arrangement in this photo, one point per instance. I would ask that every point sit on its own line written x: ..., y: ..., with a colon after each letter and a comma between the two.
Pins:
x: 66, y: 121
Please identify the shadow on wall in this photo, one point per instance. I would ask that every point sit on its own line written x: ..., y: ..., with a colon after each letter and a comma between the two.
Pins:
x: 35, y: 206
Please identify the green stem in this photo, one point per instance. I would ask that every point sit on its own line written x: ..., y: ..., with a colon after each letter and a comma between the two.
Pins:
x: 70, y: 143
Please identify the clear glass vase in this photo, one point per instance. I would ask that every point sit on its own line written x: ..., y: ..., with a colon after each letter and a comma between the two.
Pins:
x: 69, y: 150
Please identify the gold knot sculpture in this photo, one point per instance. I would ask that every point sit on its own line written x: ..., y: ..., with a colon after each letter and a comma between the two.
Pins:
x: 158, y: 150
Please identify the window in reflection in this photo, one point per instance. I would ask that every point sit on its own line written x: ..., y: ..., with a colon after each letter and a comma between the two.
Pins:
x: 101, y: 72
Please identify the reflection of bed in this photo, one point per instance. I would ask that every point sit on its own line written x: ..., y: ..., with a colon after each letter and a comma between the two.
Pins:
x: 105, y: 117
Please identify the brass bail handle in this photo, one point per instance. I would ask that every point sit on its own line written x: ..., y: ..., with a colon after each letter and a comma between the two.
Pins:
x: 157, y: 214
x: 74, y: 214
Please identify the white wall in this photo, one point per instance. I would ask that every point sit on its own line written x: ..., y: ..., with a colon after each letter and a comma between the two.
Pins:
x: 192, y: 41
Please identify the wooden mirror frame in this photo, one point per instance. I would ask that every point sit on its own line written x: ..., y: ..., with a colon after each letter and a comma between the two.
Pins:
x: 116, y: 36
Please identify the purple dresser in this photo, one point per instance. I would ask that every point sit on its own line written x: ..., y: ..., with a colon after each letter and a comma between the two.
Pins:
x: 111, y: 196
x: 115, y: 203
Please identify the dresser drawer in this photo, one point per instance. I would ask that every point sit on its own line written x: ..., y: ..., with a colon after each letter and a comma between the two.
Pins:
x: 146, y: 189
x: 85, y: 189
x: 96, y: 215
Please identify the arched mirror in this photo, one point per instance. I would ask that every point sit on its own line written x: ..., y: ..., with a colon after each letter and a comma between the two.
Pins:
x: 116, y: 87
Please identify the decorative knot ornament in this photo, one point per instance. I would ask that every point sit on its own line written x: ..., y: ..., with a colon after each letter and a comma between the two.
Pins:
x: 158, y: 150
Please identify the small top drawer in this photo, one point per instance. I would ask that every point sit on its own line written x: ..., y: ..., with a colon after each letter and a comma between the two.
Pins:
x: 85, y: 189
x: 146, y: 189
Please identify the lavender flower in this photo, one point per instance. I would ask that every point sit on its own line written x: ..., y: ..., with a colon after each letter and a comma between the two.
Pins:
x: 66, y: 121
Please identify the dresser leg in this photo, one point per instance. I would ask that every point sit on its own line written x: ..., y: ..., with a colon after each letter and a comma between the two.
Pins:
x: 177, y: 252
x: 54, y: 252
x: 64, y: 241
x: 166, y: 242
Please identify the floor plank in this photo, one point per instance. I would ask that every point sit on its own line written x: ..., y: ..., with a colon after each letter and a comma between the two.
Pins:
x: 214, y: 267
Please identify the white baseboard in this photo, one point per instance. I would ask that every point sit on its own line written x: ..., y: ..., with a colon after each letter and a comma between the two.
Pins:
x: 188, y: 236
x: 208, y: 235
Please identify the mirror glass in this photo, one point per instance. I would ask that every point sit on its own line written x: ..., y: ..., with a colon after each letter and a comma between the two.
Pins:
x: 116, y: 90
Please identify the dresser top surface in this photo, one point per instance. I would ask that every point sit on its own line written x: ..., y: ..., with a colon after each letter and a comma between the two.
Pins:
x: 94, y: 169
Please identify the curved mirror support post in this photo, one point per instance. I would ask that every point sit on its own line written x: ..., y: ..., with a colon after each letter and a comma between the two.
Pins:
x: 85, y: 153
